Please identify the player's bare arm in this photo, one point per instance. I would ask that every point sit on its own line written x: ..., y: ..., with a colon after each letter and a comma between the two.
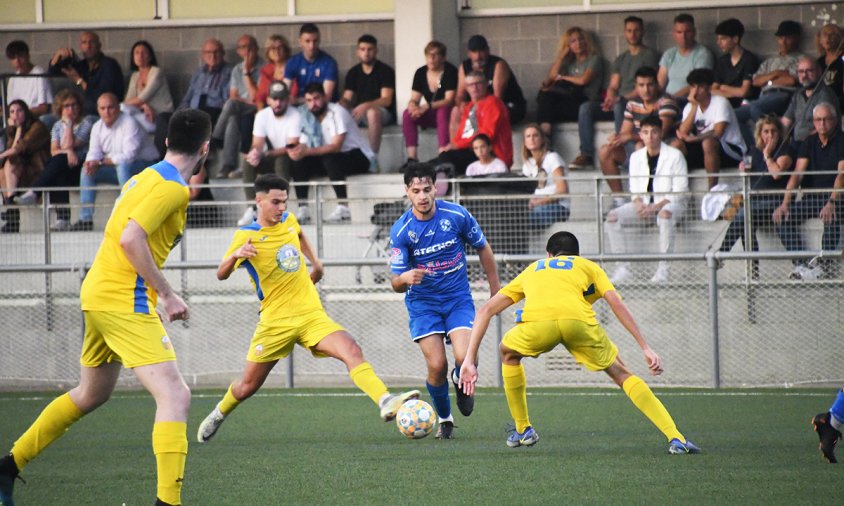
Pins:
x: 308, y: 251
x: 487, y: 259
x: 468, y: 371
x: 406, y: 279
x: 625, y: 317
x: 226, y: 267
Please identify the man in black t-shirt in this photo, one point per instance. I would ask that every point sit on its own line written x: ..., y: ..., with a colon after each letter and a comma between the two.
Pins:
x: 734, y: 69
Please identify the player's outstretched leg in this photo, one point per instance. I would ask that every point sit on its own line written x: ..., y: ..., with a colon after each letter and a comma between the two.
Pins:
x: 828, y: 426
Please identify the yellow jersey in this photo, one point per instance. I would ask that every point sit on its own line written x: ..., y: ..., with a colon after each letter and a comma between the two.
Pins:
x: 157, y: 200
x: 278, y: 272
x: 559, y: 288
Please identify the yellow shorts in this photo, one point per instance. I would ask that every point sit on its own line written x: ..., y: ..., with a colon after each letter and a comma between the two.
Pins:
x: 131, y: 338
x: 274, y: 339
x: 588, y: 344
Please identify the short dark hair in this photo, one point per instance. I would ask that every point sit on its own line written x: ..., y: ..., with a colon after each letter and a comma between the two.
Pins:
x: 266, y: 182
x: 419, y: 171
x: 308, y: 28
x: 634, y: 19
x: 16, y: 48
x: 730, y: 28
x: 314, y: 88
x: 651, y: 121
x: 483, y: 137
x: 645, y: 71
x: 368, y: 39
x: 563, y: 243
x: 153, y: 61
x: 684, y: 18
x: 701, y: 76
x: 188, y: 130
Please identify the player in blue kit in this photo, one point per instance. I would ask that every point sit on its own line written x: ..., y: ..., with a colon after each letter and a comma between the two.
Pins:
x: 428, y: 263
x: 828, y: 426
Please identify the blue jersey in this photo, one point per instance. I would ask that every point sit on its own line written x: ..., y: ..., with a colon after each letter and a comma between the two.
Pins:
x: 323, y: 68
x: 437, y: 246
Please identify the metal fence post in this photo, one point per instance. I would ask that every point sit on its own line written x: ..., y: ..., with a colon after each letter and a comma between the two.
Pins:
x: 712, y: 264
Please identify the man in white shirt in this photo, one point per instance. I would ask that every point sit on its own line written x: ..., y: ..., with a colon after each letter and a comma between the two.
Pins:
x: 35, y: 91
x: 118, y: 149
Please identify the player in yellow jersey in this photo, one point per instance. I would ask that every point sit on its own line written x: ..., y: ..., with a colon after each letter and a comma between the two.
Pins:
x: 122, y: 327
x: 559, y: 291
x: 271, y: 249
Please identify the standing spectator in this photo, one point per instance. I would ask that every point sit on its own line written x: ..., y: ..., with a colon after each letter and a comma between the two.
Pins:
x: 658, y: 183
x: 95, y: 72
x: 369, y: 92
x: 804, y: 100
x: 574, y: 78
x: 312, y: 65
x: 209, y: 85
x: 436, y: 82
x: 331, y: 145
x: 117, y: 150
x: 830, y: 41
x: 486, y: 163
x: 27, y: 143
x: 734, y: 69
x: 550, y: 201
x: 35, y: 91
x: 678, y: 61
x: 709, y: 133
x: 277, y: 51
x: 148, y: 94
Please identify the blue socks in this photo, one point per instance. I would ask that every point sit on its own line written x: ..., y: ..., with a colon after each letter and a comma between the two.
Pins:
x: 439, y: 395
x: 837, y: 409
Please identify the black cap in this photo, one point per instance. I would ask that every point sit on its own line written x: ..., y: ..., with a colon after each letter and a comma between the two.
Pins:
x: 477, y: 43
x: 279, y: 90
x: 730, y: 28
x: 788, y: 28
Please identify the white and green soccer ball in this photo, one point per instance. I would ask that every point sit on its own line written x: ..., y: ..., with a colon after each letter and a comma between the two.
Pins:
x: 416, y: 419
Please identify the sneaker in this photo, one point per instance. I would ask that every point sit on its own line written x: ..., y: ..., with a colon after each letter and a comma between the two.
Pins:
x: 11, y: 227
x: 60, y: 226
x: 392, y: 404
x: 374, y: 168
x: 27, y: 199
x: 341, y: 213
x: 209, y: 426
x: 661, y: 274
x: 303, y: 214
x: 828, y: 435
x: 581, y: 162
x: 527, y: 438
x: 247, y: 218
x: 82, y: 226
x: 445, y: 430
x: 811, y: 273
x: 622, y: 274
x: 8, y: 474
x: 676, y: 447
x: 235, y: 174
x: 224, y: 172
x: 465, y: 403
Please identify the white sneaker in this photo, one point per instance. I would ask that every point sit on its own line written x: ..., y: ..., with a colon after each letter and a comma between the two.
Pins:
x: 391, y: 404
x: 661, y: 274
x: 621, y: 275
x: 60, y: 226
x: 247, y: 218
x: 209, y: 426
x: 341, y: 213
x: 811, y: 273
x: 303, y: 214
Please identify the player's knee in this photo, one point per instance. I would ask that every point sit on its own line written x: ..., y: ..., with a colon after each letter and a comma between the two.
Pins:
x: 437, y: 368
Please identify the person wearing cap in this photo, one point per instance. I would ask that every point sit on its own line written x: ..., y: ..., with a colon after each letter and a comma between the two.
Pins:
x: 734, y: 69
x: 276, y: 129
x: 678, y: 61
x: 312, y: 65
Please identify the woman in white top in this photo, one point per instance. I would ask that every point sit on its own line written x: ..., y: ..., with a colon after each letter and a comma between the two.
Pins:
x: 148, y: 94
x: 550, y: 202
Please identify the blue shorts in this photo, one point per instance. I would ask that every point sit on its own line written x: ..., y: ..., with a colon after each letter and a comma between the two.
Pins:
x: 427, y: 318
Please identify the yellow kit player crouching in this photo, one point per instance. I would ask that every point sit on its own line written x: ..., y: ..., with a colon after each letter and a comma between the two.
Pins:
x: 271, y: 249
x: 559, y: 291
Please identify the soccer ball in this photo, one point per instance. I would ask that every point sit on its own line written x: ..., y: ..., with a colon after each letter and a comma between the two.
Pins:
x: 416, y: 419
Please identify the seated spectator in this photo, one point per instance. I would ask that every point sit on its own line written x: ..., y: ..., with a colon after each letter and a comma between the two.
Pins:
x: 369, y: 91
x: 822, y: 152
x: 331, y: 145
x: 277, y: 52
x: 486, y: 163
x: 678, y: 61
x: 830, y: 41
x: 27, y: 143
x: 734, y: 69
x: 436, y: 82
x: 68, y: 147
x: 647, y: 102
x: 485, y: 114
x: 235, y: 121
x: 117, y: 150
x: 209, y: 85
x: 709, y: 134
x: 148, y: 94
x: 658, y: 183
x: 312, y: 65
x: 804, y: 100
x: 95, y: 72
x: 550, y: 201
x: 771, y: 158
x: 35, y: 91
x: 574, y: 77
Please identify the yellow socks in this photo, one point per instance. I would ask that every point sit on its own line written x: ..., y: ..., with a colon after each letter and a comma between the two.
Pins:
x: 644, y: 399
x: 170, y: 446
x: 515, y: 389
x: 228, y: 403
x: 364, y: 378
x: 50, y: 425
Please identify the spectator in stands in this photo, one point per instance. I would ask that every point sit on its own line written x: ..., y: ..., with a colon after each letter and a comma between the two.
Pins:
x: 117, y: 150
x: 709, y: 133
x: 209, y: 85
x: 771, y: 157
x: 370, y: 92
x: 658, y: 183
x: 678, y: 61
x: 575, y: 77
x: 27, y: 143
x: 500, y: 80
x: 734, y: 69
x: 35, y: 91
x: 436, y: 82
x: 830, y: 42
x: 231, y: 133
x: 277, y: 51
x: 649, y: 101
x: 804, y: 100
x: 148, y: 94
x: 622, y: 85
x: 95, y: 72
x: 312, y: 65
x: 331, y: 145
x: 484, y: 114
x: 486, y: 163
x: 68, y: 147
x: 550, y: 202
x: 820, y: 152
x: 276, y: 130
